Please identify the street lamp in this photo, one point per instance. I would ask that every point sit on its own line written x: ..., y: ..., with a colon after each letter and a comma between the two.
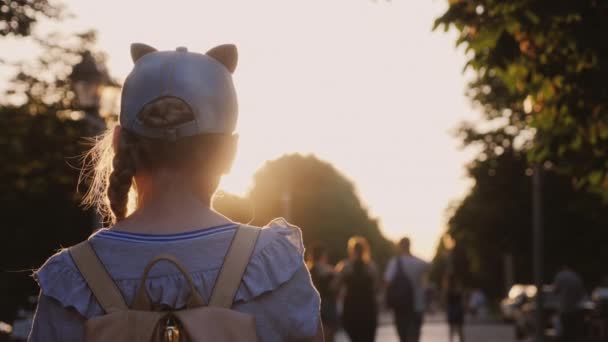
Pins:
x: 89, y: 80
x: 537, y: 245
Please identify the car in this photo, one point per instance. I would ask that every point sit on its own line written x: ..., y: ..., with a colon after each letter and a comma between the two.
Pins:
x: 525, y: 323
x: 517, y: 296
x: 5, y: 331
x: 525, y: 320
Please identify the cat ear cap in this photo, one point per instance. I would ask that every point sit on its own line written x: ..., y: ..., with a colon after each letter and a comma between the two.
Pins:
x: 202, y: 81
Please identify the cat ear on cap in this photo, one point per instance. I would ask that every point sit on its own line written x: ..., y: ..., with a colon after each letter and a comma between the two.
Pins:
x: 226, y: 54
x: 138, y: 50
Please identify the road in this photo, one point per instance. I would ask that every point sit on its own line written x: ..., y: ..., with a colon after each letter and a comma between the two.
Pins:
x: 436, y: 330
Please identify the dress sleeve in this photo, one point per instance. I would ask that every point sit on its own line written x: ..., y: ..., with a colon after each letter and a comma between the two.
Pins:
x: 53, y: 322
x: 278, y: 286
x: 304, y: 305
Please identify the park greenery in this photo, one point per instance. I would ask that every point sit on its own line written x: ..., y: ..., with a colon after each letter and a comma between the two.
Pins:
x: 17, y: 17
x: 494, y: 221
x: 539, y: 69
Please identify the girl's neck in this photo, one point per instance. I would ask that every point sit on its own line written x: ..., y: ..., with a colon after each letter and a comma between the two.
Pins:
x: 171, y: 207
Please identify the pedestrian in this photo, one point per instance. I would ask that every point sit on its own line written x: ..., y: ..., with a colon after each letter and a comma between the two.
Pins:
x: 570, y: 290
x: 408, y: 320
x: 455, y: 308
x: 174, y: 142
x: 324, y: 279
x: 358, y: 281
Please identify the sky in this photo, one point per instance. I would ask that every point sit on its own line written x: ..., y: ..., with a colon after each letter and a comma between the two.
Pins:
x: 363, y: 84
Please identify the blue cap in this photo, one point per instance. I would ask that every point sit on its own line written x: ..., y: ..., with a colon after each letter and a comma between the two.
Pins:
x: 202, y: 81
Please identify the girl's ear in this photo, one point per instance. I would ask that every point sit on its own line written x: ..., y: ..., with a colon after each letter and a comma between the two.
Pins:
x: 226, y: 54
x: 116, y: 138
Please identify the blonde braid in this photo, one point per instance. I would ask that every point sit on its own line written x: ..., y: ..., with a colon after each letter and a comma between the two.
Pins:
x: 121, y: 178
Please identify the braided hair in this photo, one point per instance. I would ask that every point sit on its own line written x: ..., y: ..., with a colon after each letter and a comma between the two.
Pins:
x: 111, y: 171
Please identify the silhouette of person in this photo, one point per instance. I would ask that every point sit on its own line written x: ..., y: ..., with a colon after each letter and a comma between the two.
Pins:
x: 408, y: 324
x: 358, y: 279
x: 570, y: 291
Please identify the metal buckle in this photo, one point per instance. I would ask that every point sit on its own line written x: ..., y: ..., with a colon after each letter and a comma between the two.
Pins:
x: 171, y: 331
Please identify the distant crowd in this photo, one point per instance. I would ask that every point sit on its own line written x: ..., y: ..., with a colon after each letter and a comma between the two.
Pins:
x: 354, y: 292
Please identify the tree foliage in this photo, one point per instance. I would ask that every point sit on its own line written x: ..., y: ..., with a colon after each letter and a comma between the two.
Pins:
x: 541, y: 67
x: 313, y: 195
x: 495, y: 220
x: 17, y: 17
x: 41, y: 139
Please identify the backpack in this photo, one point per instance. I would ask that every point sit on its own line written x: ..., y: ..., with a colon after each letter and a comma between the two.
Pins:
x: 198, y: 321
x: 400, y: 291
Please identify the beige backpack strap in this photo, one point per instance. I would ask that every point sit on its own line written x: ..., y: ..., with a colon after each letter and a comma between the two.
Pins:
x: 99, y: 281
x: 235, y: 264
x: 142, y: 300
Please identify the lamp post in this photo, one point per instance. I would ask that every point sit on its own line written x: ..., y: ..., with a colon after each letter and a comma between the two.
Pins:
x: 537, y: 243
x: 88, y: 80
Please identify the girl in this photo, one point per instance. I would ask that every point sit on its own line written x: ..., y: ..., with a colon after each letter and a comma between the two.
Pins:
x: 358, y: 278
x: 154, y: 176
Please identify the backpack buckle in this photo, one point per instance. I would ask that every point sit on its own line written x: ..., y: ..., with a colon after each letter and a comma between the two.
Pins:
x: 170, y: 331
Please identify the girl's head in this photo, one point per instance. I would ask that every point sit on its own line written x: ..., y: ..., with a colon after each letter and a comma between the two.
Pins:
x: 358, y: 249
x: 178, y: 115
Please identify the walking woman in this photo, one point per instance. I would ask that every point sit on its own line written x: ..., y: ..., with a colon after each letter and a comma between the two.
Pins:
x: 358, y: 281
x: 324, y: 278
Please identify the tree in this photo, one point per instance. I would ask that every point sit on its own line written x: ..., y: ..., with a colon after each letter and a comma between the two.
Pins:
x: 314, y: 196
x: 495, y: 219
x: 17, y: 17
x: 540, y: 70
x: 41, y: 142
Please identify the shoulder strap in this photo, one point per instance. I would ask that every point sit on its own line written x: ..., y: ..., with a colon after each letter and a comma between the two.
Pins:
x: 99, y: 281
x: 233, y: 269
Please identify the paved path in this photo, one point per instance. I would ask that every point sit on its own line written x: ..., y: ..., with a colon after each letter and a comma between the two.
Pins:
x: 436, y: 330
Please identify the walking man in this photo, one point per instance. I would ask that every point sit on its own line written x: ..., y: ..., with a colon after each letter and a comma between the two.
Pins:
x: 405, y: 293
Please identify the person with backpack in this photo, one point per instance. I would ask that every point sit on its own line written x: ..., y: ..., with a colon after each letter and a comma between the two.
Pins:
x: 403, y: 278
x: 358, y: 282
x: 169, y: 268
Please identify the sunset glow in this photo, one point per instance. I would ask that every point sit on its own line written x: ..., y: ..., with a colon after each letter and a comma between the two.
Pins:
x: 362, y: 84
